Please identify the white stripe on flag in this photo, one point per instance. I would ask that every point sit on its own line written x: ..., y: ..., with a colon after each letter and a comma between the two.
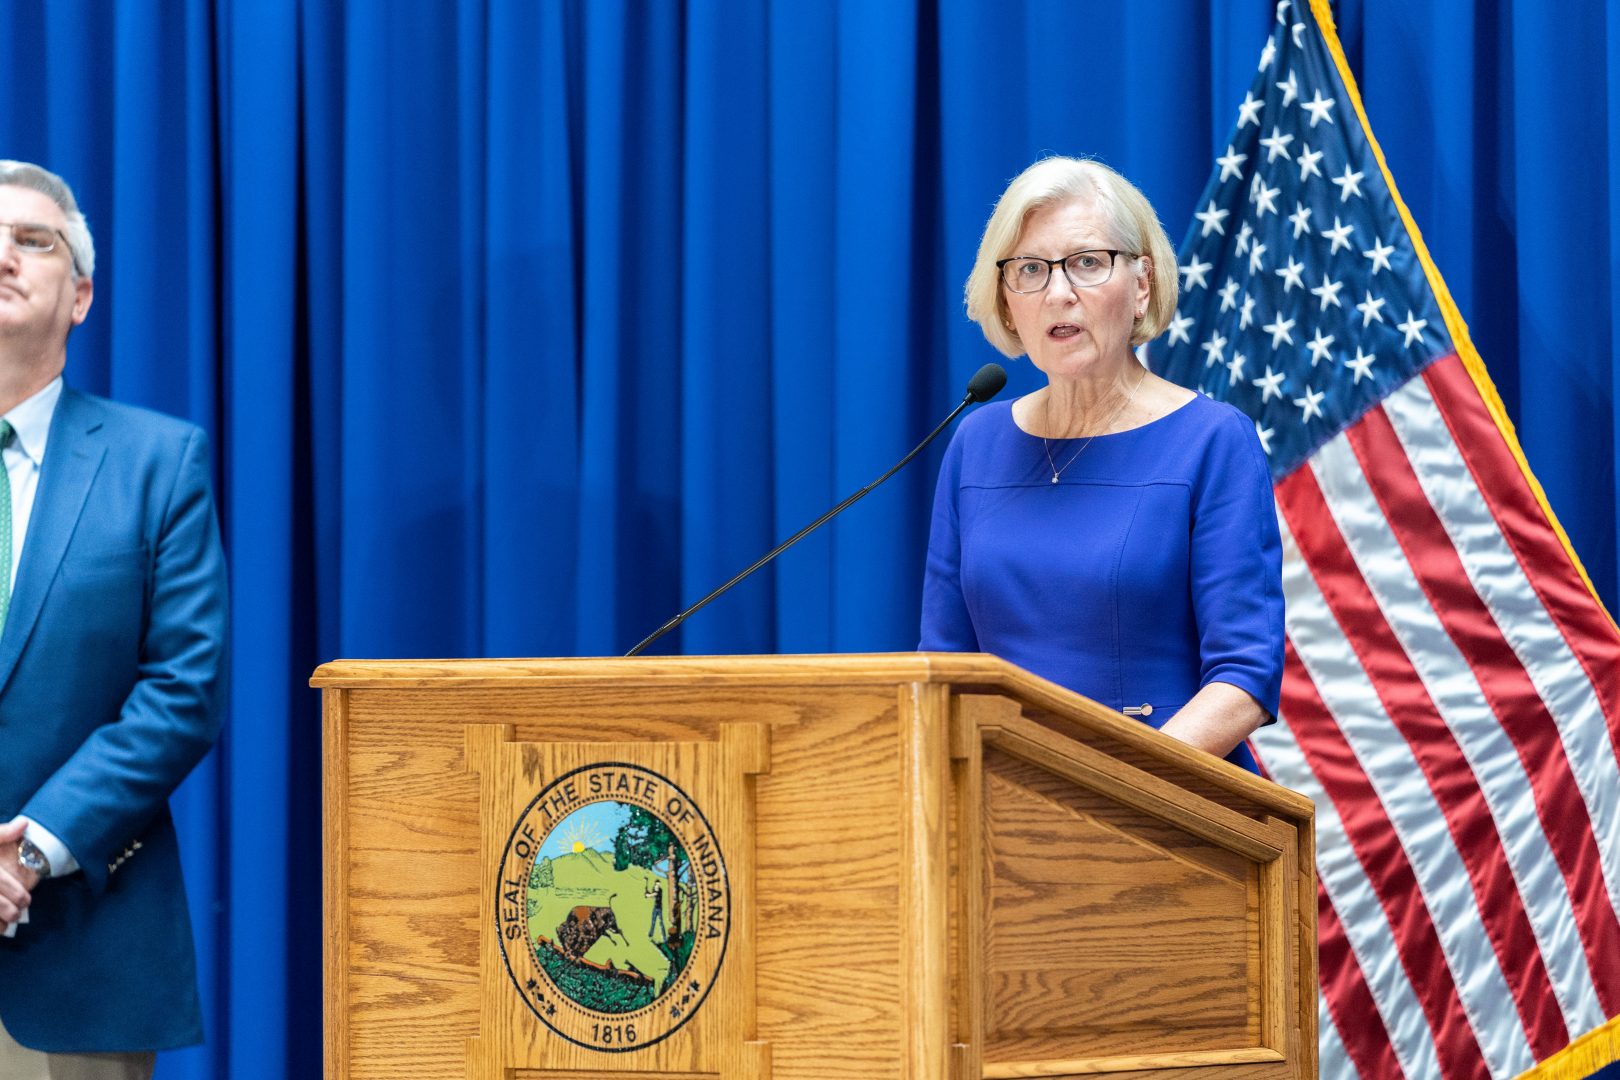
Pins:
x: 1336, y: 1063
x: 1386, y: 759
x: 1525, y: 624
x: 1495, y: 763
x: 1366, y: 927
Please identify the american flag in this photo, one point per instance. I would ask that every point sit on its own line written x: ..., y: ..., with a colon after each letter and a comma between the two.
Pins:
x: 1451, y: 698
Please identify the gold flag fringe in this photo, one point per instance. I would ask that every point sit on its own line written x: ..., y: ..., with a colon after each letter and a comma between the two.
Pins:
x: 1581, y: 1058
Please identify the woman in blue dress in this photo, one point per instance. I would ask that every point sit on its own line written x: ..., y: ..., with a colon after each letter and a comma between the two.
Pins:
x: 1112, y: 532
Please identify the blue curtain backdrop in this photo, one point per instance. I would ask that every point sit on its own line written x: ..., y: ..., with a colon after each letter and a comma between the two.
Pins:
x: 517, y: 324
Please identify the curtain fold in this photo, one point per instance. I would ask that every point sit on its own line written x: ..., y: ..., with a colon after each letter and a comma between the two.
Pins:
x: 802, y: 132
x: 519, y: 325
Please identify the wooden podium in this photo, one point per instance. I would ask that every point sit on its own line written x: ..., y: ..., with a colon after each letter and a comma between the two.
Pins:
x: 919, y: 866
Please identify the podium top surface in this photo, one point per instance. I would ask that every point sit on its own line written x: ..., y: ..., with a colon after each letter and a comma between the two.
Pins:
x: 857, y: 668
x: 976, y: 672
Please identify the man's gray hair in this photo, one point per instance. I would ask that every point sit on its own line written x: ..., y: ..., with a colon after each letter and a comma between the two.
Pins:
x: 80, y: 245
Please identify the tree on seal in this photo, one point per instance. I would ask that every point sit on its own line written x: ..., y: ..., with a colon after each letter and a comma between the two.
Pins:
x: 646, y: 841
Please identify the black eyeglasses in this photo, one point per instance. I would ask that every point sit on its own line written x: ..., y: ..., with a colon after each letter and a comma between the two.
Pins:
x: 1084, y: 269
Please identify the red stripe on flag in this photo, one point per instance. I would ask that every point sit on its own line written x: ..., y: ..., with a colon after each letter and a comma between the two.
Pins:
x: 1383, y: 860
x: 1523, y: 716
x: 1497, y: 474
x: 1344, y: 988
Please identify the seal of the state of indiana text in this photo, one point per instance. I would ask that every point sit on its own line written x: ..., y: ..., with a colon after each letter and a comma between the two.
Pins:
x: 613, y: 909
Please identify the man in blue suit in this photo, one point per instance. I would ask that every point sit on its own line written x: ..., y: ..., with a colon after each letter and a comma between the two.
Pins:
x: 112, y: 676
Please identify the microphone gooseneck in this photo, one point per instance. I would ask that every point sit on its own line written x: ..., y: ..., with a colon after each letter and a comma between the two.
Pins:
x: 985, y: 384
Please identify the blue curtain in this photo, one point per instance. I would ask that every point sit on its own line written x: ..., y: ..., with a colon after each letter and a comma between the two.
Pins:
x: 518, y: 324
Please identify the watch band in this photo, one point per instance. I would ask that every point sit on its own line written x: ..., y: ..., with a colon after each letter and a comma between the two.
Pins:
x: 30, y: 856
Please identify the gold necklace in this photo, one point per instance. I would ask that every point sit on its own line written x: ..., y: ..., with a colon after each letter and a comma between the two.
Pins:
x: 1047, y: 445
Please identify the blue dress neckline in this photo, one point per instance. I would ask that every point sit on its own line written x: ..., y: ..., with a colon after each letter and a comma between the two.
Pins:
x: 1183, y: 407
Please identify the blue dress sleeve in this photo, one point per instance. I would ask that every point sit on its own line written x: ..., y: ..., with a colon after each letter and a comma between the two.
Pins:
x: 946, y: 625
x: 1236, y: 557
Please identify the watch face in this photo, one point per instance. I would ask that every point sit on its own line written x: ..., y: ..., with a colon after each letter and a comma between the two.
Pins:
x: 31, y: 857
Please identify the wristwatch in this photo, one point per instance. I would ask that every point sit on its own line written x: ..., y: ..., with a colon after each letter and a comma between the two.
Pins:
x: 29, y: 855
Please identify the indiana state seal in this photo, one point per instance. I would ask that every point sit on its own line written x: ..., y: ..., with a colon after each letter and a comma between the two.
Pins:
x: 614, y: 909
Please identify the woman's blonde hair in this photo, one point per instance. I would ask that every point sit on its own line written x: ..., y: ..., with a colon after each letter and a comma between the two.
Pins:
x: 1130, y: 218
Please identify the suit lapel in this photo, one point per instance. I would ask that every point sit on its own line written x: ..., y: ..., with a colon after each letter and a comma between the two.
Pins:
x: 73, y: 454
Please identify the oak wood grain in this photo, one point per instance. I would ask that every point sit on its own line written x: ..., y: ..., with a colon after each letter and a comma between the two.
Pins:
x: 945, y: 867
x: 1132, y: 1063
x: 925, y: 880
x: 335, y: 924
x: 407, y: 1028
x: 1095, y: 938
x: 967, y: 672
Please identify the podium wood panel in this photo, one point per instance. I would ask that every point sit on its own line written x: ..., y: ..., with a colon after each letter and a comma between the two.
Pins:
x: 949, y: 869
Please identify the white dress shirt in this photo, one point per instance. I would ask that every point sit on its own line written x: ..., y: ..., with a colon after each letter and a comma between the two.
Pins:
x: 23, y: 455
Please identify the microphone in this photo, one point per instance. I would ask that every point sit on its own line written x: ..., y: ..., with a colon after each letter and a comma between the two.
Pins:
x: 985, y: 384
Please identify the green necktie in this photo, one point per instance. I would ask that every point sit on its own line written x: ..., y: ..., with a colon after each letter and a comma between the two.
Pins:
x: 5, y: 524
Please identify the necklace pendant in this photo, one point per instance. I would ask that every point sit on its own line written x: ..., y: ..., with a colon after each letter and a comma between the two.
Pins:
x: 1054, y: 478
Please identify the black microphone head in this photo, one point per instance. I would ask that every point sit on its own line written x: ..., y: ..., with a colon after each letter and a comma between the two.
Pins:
x: 986, y: 382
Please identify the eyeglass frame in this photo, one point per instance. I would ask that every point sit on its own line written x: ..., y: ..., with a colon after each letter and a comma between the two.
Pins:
x: 1113, y: 257
x: 67, y: 244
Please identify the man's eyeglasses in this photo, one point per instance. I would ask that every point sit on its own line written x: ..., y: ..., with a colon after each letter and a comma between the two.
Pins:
x: 36, y: 239
x: 1084, y: 269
